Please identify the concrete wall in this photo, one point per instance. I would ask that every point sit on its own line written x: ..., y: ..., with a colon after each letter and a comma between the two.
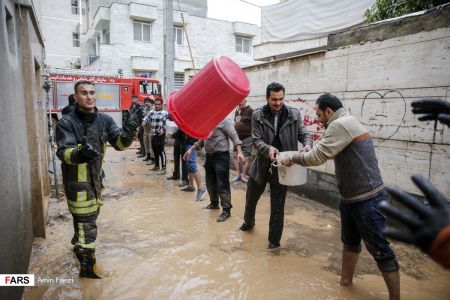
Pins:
x: 208, y: 38
x: 377, y: 81
x: 24, y: 171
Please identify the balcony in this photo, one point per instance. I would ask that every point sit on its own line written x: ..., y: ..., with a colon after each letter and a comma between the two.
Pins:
x: 101, y: 18
x: 245, y: 29
x: 177, y: 20
x: 142, y: 12
x: 144, y: 63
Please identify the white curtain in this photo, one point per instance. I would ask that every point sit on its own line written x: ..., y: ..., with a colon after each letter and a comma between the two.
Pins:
x: 295, y: 20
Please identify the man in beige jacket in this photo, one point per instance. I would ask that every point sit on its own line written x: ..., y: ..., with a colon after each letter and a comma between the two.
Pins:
x: 359, y: 181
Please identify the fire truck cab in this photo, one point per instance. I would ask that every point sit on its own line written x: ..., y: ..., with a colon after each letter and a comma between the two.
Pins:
x: 113, y: 94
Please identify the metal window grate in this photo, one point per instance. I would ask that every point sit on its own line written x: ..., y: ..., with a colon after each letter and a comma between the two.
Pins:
x: 179, y: 81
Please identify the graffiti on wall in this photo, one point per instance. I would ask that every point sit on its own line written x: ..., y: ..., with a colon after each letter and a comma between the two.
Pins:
x: 383, y: 118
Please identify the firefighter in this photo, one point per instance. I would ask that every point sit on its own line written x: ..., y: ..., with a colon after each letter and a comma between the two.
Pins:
x: 81, y: 136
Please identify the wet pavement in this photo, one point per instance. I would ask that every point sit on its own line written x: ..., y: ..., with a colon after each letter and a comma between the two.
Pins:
x: 156, y: 242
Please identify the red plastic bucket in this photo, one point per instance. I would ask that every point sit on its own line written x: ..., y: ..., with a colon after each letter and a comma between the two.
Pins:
x: 208, y: 97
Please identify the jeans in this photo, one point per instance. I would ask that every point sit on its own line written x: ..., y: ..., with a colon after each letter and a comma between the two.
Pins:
x: 217, y: 169
x: 191, y: 163
x: 277, y: 199
x: 363, y: 220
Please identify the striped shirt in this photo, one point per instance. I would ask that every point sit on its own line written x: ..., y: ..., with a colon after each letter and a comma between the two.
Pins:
x: 157, y: 120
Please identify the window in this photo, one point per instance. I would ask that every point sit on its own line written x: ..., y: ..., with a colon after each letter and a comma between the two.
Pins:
x: 142, y: 31
x: 178, y: 35
x: 149, y: 88
x: 83, y: 7
x: 75, y: 8
x: 243, y: 44
x: 179, y: 81
x: 10, y: 30
x: 106, y: 36
x: 76, y: 39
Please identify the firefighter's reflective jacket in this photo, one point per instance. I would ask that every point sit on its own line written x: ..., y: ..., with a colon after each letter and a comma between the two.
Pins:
x: 83, y: 180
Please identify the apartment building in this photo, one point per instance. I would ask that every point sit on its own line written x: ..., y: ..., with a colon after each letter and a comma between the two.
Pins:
x: 125, y: 38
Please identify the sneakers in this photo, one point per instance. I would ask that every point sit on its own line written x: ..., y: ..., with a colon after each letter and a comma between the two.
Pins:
x: 200, y: 194
x: 236, y: 178
x: 273, y: 246
x: 150, y: 162
x: 163, y: 171
x: 212, y: 206
x: 147, y: 157
x: 183, y: 183
x: 188, y: 189
x: 224, y: 216
x: 155, y: 168
x: 173, y: 177
x: 246, y: 227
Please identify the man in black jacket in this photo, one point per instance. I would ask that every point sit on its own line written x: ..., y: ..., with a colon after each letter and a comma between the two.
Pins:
x: 275, y: 128
x: 81, y: 136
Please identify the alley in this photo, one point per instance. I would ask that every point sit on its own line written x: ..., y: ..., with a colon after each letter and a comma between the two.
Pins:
x: 156, y: 242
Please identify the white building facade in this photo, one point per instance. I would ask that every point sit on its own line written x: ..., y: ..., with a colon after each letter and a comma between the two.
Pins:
x: 60, y: 21
x: 127, y: 39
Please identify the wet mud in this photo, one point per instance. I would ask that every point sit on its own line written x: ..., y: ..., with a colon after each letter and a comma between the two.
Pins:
x: 156, y: 242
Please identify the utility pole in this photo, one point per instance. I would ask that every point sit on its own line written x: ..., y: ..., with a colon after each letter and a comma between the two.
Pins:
x: 169, y: 48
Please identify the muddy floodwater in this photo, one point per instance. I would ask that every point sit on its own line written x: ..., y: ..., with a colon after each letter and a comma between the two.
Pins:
x: 156, y: 242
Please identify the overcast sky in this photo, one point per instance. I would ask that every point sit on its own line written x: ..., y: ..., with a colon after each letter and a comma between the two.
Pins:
x: 235, y: 10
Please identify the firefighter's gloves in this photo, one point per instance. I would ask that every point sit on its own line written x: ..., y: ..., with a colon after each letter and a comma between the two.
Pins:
x: 132, y: 123
x: 422, y: 223
x: 87, y: 152
x: 432, y: 109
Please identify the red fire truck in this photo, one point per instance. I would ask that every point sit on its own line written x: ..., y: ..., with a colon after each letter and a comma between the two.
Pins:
x: 113, y: 93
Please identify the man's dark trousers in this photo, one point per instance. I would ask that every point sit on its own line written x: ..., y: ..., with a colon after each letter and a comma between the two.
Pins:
x: 177, y: 157
x: 277, y: 199
x: 217, y: 169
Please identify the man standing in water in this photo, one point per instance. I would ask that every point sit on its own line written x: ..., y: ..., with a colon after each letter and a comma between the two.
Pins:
x: 359, y: 181
x: 81, y: 136
x: 275, y: 128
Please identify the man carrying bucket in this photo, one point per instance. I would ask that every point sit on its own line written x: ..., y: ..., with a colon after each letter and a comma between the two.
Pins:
x: 359, y: 181
x: 275, y: 128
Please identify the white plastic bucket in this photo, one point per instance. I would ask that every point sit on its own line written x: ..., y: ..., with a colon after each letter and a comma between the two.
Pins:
x: 171, y: 127
x: 293, y: 175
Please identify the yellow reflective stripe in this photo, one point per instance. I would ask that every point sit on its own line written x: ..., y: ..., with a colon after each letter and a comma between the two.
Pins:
x: 82, y: 204
x: 67, y: 154
x: 82, y: 172
x: 83, y: 210
x: 87, y: 246
x: 81, y: 196
x: 81, y: 238
x: 119, y: 144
